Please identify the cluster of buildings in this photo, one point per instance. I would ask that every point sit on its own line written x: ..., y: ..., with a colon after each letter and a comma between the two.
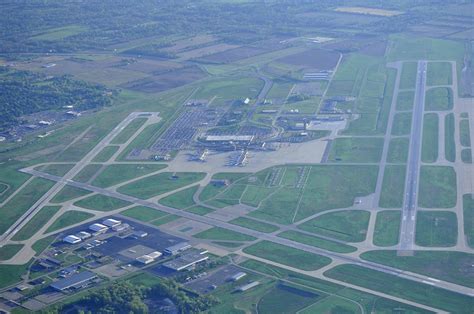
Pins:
x: 96, y: 229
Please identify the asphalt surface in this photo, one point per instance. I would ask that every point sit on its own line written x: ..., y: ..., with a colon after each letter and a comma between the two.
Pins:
x: 408, y: 224
x: 261, y: 236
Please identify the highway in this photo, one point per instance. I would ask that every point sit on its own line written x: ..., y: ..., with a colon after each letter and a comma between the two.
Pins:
x: 69, y: 175
x: 259, y: 235
x: 408, y: 223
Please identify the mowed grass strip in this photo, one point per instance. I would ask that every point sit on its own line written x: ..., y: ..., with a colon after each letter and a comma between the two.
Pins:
x: 405, y: 100
x: 67, y: 219
x: 464, y: 133
x: 222, y: 234
x: 254, y: 224
x: 466, y: 156
x: 181, y: 199
x: 87, y: 173
x: 9, y: 250
x: 408, y: 75
x: 437, y: 187
x: 143, y: 213
x: 468, y: 211
x: 101, y: 203
x: 287, y: 255
x: 439, y: 73
x: 56, y: 169
x: 393, y: 186
x: 402, y: 124
x: 444, y: 265
x: 387, y: 228
x: 346, y: 225
x: 160, y: 183
x: 439, y: 99
x: 35, y: 224
x: 403, y: 288
x: 398, y: 150
x: 128, y: 131
x: 286, y: 298
x: 429, y: 146
x: 436, y: 229
x: 115, y: 174
x: 22, y: 201
x: 68, y: 193
x: 449, y: 140
x: 356, y: 150
x: 105, y: 154
x: 317, y: 242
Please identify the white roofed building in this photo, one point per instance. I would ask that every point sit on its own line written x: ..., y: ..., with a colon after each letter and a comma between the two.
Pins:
x: 72, y: 239
x: 111, y: 222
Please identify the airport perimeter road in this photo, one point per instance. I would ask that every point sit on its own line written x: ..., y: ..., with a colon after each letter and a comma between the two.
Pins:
x: 69, y: 175
x: 260, y: 235
x: 408, y: 224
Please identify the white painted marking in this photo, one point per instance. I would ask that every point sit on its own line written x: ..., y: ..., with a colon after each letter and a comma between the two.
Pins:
x: 433, y: 279
x: 404, y: 217
x: 428, y: 282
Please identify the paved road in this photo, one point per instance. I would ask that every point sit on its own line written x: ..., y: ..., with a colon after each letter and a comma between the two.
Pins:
x: 69, y: 175
x: 407, y: 229
x: 259, y: 235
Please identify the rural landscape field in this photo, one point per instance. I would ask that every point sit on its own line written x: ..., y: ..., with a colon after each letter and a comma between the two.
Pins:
x: 236, y: 156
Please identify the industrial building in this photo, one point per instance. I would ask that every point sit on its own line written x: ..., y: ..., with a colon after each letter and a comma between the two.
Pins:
x: 248, y: 286
x: 72, y: 239
x: 177, y: 248
x: 237, y: 276
x: 98, y: 228
x: 186, y: 261
x: 148, y: 258
x: 83, y: 235
x: 76, y: 281
x: 111, y: 223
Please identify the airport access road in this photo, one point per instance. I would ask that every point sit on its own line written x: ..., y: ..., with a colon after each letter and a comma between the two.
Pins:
x: 260, y: 235
x: 17, y: 225
x: 408, y: 223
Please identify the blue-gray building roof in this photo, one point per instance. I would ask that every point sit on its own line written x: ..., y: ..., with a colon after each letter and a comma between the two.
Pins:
x: 73, y: 281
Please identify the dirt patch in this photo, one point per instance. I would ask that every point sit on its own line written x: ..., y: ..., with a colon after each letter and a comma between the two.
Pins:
x: 233, y: 55
x: 167, y: 80
x: 315, y: 59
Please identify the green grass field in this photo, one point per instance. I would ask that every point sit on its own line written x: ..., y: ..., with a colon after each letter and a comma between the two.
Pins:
x: 438, y: 99
x: 67, y: 219
x: 142, y: 213
x: 393, y: 186
x: 101, y: 203
x: 9, y: 250
x: 468, y: 211
x: 116, y: 174
x: 221, y: 234
x: 466, y: 155
x: 56, y: 169
x: 199, y: 210
x: 437, y: 187
x: 439, y: 73
x: 35, y: 224
x: 317, y: 242
x: 464, y: 133
x: 105, y: 154
x: 403, y: 288
x: 254, y: 224
x: 286, y: 298
x: 128, y: 131
x: 69, y: 193
x: 444, y: 265
x: 436, y: 229
x: 332, y: 304
x: 408, y: 76
x: 160, y: 183
x: 86, y: 174
x: 405, y: 100
x: 10, y: 274
x: 287, y: 255
x: 429, y: 146
x: 398, y: 150
x: 10, y: 178
x: 22, y: 201
x: 181, y: 199
x: 401, y: 124
x: 387, y: 228
x: 347, y: 225
x: 356, y: 150
x: 449, y: 140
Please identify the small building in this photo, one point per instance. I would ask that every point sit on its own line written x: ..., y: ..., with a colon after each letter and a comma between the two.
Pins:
x: 248, y: 286
x: 43, y: 122
x: 237, y: 276
x: 140, y: 234
x: 83, y: 235
x: 186, y: 261
x: 155, y: 254
x: 121, y: 227
x: 98, y: 228
x: 145, y: 259
x: 76, y: 281
x: 177, y: 248
x: 72, y: 239
x: 111, y: 222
